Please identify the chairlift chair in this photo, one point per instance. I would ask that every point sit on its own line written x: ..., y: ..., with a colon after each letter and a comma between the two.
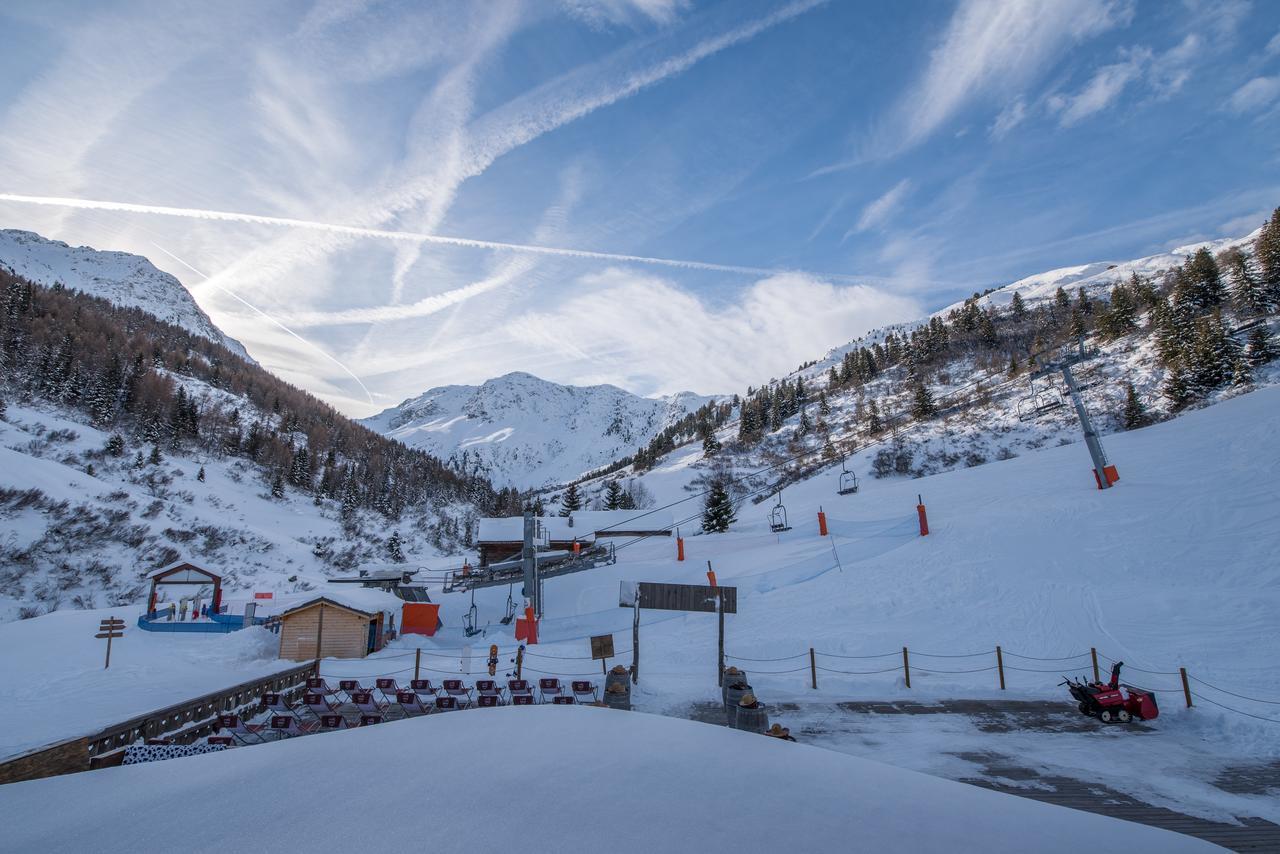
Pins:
x: 469, y: 619
x: 1039, y: 402
x: 778, y: 517
x: 510, y: 613
x: 848, y: 480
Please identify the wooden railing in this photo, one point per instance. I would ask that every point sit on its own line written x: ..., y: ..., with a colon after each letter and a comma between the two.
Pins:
x: 181, y: 723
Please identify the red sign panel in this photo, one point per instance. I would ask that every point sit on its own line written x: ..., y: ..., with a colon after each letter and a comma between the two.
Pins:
x: 264, y: 596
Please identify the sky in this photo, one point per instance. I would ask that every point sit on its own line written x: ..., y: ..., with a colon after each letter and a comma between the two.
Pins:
x: 658, y: 194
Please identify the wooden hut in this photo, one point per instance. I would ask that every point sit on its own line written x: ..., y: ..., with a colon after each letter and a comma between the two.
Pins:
x: 325, y: 628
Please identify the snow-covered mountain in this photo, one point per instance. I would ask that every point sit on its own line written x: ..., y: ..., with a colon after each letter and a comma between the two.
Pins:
x: 119, y: 277
x: 524, y: 431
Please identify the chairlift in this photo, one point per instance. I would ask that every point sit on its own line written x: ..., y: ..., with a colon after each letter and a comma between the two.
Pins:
x: 469, y: 620
x: 778, y: 517
x: 1039, y: 402
x: 511, y: 606
x: 848, y: 480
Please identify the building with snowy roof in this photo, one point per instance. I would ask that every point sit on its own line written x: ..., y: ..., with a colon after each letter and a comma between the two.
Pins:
x: 502, y: 538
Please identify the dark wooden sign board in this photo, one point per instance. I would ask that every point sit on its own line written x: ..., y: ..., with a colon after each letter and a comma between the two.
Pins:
x: 602, y: 646
x: 112, y: 627
x: 701, y: 598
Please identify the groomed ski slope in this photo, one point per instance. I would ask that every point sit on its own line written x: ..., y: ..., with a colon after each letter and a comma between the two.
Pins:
x: 541, y: 779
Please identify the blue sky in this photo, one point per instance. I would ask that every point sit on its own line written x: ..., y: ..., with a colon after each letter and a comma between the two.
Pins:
x: 867, y: 161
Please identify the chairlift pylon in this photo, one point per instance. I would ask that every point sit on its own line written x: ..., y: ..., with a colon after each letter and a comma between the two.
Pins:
x: 848, y: 480
x: 778, y: 517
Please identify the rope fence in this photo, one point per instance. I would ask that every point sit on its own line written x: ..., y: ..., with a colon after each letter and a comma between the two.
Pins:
x: 1091, y: 659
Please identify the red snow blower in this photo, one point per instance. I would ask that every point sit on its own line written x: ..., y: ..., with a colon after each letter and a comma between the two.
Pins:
x: 1113, y: 703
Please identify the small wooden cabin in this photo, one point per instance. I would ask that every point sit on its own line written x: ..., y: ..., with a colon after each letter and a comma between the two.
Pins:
x: 324, y: 628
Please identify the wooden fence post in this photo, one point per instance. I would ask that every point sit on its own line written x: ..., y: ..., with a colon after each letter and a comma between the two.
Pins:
x: 417, y: 664
x: 906, y: 666
x: 1186, y: 688
x: 1093, y: 651
x: 1000, y: 665
x: 813, y: 668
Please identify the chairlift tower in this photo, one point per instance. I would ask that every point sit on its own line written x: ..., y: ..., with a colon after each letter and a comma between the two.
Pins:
x: 1103, y: 471
x: 529, y: 563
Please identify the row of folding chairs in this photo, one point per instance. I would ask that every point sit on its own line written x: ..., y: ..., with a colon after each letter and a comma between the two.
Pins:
x: 388, y: 689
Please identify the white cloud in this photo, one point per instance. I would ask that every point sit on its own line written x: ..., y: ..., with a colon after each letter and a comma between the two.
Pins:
x: 1010, y: 117
x: 655, y: 337
x: 599, y: 12
x: 998, y: 47
x: 1254, y: 95
x: 1106, y: 85
x: 878, y: 212
x: 1273, y: 46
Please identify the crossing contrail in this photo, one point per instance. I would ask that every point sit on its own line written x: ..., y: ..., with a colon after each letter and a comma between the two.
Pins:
x: 269, y: 318
x: 414, y: 237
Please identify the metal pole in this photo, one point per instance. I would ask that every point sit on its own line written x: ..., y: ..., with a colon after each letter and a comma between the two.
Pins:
x: 1090, y: 434
x: 529, y: 562
x: 635, y: 642
x: 720, y: 612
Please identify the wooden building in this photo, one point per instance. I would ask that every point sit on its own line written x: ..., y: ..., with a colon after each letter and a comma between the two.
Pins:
x: 325, y: 628
x: 501, y: 539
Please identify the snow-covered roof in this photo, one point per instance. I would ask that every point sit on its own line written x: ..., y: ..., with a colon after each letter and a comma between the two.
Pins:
x: 192, y: 568
x: 369, y: 600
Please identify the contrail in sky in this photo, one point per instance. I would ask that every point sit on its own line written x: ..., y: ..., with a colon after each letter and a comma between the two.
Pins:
x: 413, y: 236
x: 268, y: 317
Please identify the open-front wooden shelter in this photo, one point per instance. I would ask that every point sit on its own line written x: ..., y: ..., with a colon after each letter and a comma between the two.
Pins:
x: 324, y: 628
x: 185, y: 573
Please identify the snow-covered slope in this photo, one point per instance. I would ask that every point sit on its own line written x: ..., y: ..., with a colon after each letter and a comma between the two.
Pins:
x: 1098, y: 277
x: 524, y: 431
x: 597, y: 771
x: 121, y: 278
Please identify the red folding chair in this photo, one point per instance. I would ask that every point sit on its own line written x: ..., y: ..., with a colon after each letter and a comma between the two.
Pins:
x: 318, y: 705
x: 424, y: 689
x: 584, y: 691
x: 221, y: 739
x: 370, y: 720
x: 446, y: 704
x: 317, y: 685
x: 519, y: 688
x: 388, y: 689
x: 488, y: 701
x: 239, y: 730
x: 366, y: 704
x: 288, y: 726
x: 350, y: 686
x: 455, y: 689
x: 522, y: 699
x: 329, y: 723
x: 488, y: 688
x: 278, y: 705
x: 562, y: 700
x: 409, y: 702
x: 550, y: 687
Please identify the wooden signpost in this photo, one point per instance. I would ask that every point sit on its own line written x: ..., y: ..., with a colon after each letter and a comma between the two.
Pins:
x: 112, y: 627
x: 602, y: 649
x: 699, y: 598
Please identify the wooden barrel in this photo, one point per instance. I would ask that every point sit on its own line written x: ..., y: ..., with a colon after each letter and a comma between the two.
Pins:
x: 618, y: 696
x: 732, y: 694
x: 752, y: 720
x: 613, y: 677
x: 732, y: 676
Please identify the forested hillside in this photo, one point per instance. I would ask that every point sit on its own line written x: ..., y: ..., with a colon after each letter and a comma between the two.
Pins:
x: 151, y: 414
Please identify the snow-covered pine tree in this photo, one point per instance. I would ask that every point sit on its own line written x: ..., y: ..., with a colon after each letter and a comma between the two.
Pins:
x: 1213, y: 355
x: 155, y: 457
x: 1018, y: 308
x: 200, y: 474
x: 1247, y: 293
x: 395, y: 548
x: 1135, y: 411
x: 277, y: 486
x: 1013, y: 365
x: 1202, y: 281
x: 1121, y: 316
x: 710, y: 444
x: 1177, y: 386
x: 1266, y: 254
x: 613, y: 495
x: 1260, y: 350
x: 824, y: 408
x: 922, y: 403
x: 571, y: 501
x: 874, y: 425
x: 718, y: 513
x: 115, y: 445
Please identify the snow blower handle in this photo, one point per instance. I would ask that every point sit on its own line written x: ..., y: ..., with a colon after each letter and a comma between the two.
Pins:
x: 1115, y: 675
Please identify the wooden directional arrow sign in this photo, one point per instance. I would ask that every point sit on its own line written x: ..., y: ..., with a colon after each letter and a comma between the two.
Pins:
x: 112, y: 627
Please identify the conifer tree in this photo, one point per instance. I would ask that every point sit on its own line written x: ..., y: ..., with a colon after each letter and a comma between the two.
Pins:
x: 1260, y: 350
x: 154, y: 459
x: 718, y: 513
x: 824, y: 408
x: 571, y: 501
x: 1121, y: 316
x: 395, y: 548
x: 1177, y: 386
x: 922, y: 403
x: 710, y: 445
x: 613, y: 495
x: 200, y: 474
x: 1247, y: 292
x: 1135, y: 411
x: 1202, y: 281
x: 115, y: 445
x: 1013, y: 365
x: 874, y: 426
x: 805, y: 427
x: 1266, y: 254
x: 277, y: 486
x: 1213, y: 355
x: 1241, y: 372
x: 1018, y: 308
x: 138, y: 461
